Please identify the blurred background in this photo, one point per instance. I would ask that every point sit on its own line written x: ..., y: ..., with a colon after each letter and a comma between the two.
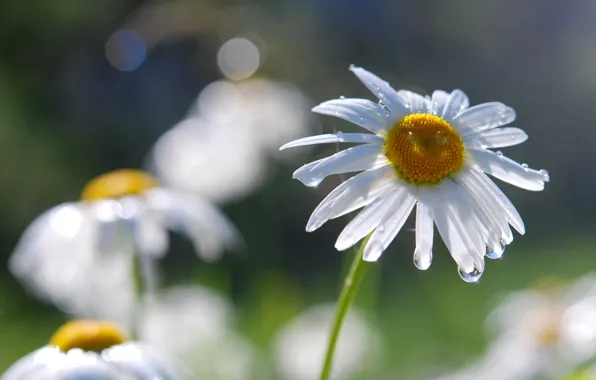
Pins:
x: 90, y: 86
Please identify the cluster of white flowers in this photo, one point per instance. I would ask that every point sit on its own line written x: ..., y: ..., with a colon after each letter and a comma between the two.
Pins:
x: 431, y: 153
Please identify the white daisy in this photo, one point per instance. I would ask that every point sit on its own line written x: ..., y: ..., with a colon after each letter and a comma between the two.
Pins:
x: 231, y: 122
x: 300, y: 345
x: 429, y: 152
x: 79, y: 255
x: 549, y: 332
x: 195, y: 325
x: 94, y: 350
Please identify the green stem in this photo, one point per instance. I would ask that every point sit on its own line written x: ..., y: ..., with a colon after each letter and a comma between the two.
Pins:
x: 343, y: 304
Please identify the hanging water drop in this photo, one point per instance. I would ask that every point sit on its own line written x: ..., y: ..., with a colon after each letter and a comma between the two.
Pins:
x: 545, y: 175
x: 525, y: 166
x: 340, y: 136
x: 470, y: 275
x: 422, y: 261
x: 499, y: 153
x: 492, y: 254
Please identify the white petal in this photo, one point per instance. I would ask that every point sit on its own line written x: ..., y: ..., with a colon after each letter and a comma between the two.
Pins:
x: 450, y: 237
x: 509, y: 171
x: 382, y: 90
x: 416, y: 103
x: 339, y: 137
x: 369, y: 218
x: 424, y: 232
x: 491, y: 214
x: 438, y: 101
x: 457, y: 102
x: 482, y: 117
x: 361, y: 112
x: 494, y: 196
x: 354, y: 193
x: 361, y: 157
x: 209, y: 230
x: 389, y: 227
x: 466, y: 221
x: 496, y: 138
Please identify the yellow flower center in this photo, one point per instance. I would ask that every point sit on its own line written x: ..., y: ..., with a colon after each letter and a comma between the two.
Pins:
x: 424, y: 149
x: 117, y: 184
x: 88, y: 335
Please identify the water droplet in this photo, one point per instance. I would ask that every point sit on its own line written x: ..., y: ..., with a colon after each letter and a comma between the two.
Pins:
x: 525, y: 166
x: 381, y: 103
x: 342, y: 97
x: 470, y: 275
x: 441, y: 138
x: 503, y: 244
x: 491, y: 254
x: 545, y: 175
x: 340, y: 136
x: 422, y: 262
x: 499, y: 153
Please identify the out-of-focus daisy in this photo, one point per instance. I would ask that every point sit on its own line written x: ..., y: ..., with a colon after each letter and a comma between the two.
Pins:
x: 429, y: 152
x: 241, y: 120
x: 94, y: 350
x: 80, y: 255
x: 300, y: 345
x: 540, y: 334
x: 194, y: 324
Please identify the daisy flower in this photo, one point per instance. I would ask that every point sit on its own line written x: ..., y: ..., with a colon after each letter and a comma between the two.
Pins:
x: 94, y: 349
x: 429, y: 152
x: 80, y: 255
x: 300, y: 344
x: 232, y: 121
x: 549, y: 331
x: 195, y: 325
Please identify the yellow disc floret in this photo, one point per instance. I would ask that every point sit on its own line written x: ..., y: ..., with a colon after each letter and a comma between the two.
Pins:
x: 117, y: 184
x: 424, y: 149
x: 87, y: 335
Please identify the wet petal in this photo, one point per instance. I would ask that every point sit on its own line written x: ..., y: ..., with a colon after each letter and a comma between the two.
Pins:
x: 338, y: 137
x: 496, y: 138
x: 358, y: 158
x: 509, y: 171
x: 383, y: 91
x: 361, y: 112
x: 482, y: 117
x: 354, y: 193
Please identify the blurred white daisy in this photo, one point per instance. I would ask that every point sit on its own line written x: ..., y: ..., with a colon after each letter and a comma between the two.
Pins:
x: 80, y: 255
x: 221, y: 149
x: 429, y: 152
x: 540, y: 334
x: 300, y: 345
x: 194, y: 324
x: 94, y: 350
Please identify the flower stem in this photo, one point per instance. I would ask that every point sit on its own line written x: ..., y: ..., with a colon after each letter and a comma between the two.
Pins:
x: 343, y: 304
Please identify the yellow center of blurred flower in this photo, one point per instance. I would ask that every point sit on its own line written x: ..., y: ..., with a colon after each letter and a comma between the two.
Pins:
x: 424, y: 149
x: 117, y: 184
x: 88, y: 335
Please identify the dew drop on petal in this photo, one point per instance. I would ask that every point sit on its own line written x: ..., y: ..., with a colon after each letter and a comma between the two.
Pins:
x: 525, y: 166
x: 422, y: 262
x: 340, y: 136
x: 381, y: 228
x: 381, y: 103
x: 545, y: 175
x: 499, y: 153
x: 342, y: 97
x: 472, y: 275
x: 493, y: 255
